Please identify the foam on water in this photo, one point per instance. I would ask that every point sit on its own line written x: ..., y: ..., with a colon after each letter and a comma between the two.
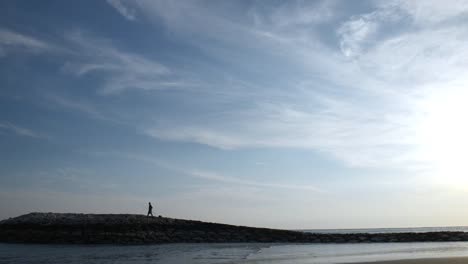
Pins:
x: 228, y: 253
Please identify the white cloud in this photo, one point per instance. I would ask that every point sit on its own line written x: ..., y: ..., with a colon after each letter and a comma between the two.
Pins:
x: 413, y: 58
x: 350, y: 133
x: 354, y: 34
x: 302, y: 13
x: 124, y: 10
x: 362, y: 111
x: 430, y: 11
x: 120, y: 70
x: 86, y: 54
x: 21, y: 131
x: 12, y: 40
x: 212, y: 176
x: 360, y: 32
x: 199, y: 135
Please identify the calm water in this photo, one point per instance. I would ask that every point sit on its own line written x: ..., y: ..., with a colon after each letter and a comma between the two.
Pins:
x: 228, y: 253
x: 390, y: 230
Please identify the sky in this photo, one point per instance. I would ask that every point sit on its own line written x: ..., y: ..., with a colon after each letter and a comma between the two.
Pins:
x: 282, y: 114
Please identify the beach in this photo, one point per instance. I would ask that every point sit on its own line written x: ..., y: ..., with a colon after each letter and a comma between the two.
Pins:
x: 238, y: 253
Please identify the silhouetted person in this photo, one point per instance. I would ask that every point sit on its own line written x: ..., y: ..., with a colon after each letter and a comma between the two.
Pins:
x: 150, y: 210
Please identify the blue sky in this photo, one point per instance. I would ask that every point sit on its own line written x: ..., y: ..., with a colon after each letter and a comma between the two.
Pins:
x: 287, y: 114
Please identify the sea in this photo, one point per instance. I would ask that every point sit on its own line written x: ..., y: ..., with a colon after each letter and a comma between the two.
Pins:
x: 389, y: 230
x: 237, y: 253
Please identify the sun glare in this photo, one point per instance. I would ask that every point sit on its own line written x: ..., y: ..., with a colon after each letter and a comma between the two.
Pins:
x: 442, y: 135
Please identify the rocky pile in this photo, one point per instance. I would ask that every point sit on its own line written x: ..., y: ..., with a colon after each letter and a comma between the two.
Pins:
x: 139, y: 229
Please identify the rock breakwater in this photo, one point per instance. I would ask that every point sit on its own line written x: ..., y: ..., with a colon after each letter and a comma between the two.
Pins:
x: 138, y: 229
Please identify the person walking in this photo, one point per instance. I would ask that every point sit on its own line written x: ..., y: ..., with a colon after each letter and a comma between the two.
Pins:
x: 150, y: 210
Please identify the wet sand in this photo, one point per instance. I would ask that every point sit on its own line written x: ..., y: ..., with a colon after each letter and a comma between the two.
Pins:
x: 462, y: 260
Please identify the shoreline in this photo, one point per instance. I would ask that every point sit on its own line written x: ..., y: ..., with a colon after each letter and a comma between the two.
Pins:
x: 450, y: 260
x: 238, y: 253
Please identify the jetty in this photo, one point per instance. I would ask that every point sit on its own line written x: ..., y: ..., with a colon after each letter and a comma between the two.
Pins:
x: 70, y: 228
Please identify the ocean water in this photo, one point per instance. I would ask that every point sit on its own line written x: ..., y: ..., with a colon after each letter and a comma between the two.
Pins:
x: 251, y: 253
x: 390, y: 230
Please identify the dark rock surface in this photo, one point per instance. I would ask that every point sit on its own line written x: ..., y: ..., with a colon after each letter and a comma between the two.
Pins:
x: 138, y: 229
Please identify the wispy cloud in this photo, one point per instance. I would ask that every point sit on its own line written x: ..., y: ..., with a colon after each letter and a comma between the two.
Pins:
x: 21, y: 131
x: 293, y: 14
x: 345, y: 131
x: 120, y: 70
x: 361, y: 32
x: 205, y: 174
x: 212, y: 176
x: 428, y: 13
x: 354, y: 34
x: 85, y: 54
x: 10, y: 40
x: 127, y: 12
x: 358, y: 99
x: 362, y: 111
x: 76, y: 105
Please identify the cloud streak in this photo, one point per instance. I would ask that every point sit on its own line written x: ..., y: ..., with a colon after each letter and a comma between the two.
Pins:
x: 125, y: 11
x: 78, y: 106
x: 10, y: 40
x: 21, y: 131
x: 211, y: 176
x: 120, y: 70
x: 208, y: 175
